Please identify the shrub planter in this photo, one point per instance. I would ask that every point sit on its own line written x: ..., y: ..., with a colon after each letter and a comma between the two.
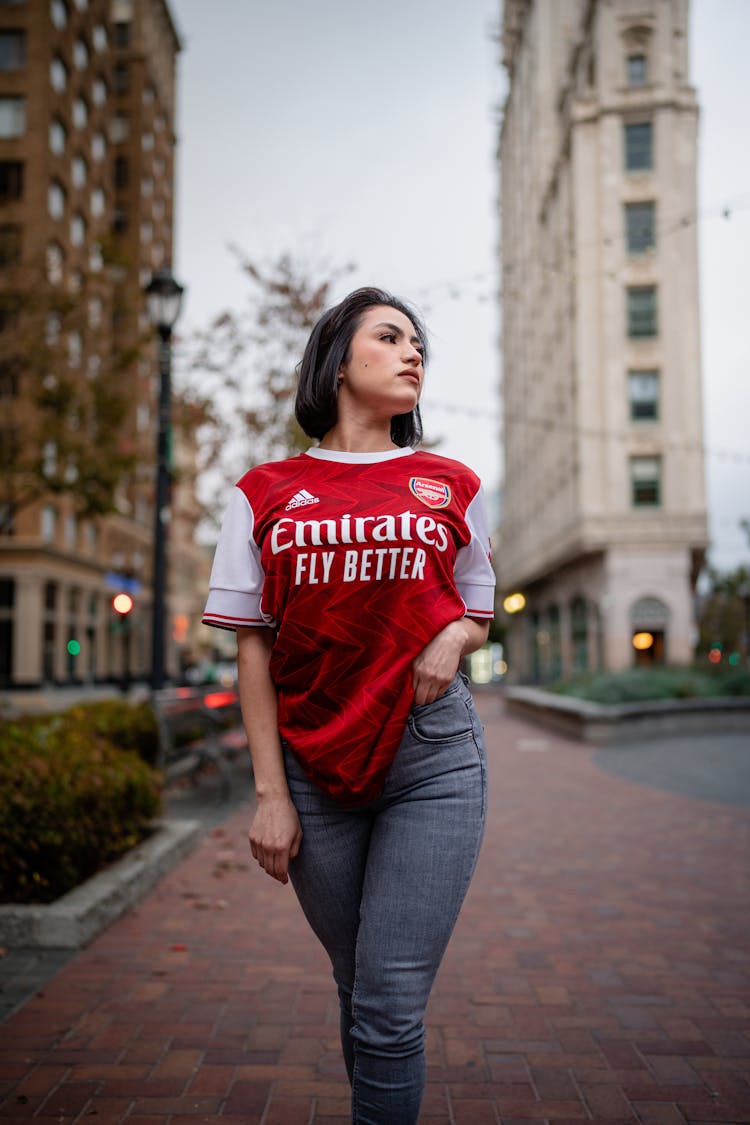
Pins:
x: 73, y: 920
x: 605, y: 723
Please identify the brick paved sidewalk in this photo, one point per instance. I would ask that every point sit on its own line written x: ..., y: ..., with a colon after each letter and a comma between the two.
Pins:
x: 600, y: 971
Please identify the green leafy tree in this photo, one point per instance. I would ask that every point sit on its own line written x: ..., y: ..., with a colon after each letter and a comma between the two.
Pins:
x: 61, y: 431
x: 725, y: 615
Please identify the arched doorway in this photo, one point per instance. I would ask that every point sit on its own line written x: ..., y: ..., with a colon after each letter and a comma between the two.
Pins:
x: 649, y: 620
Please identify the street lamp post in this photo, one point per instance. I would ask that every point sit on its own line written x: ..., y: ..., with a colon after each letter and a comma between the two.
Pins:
x: 163, y: 297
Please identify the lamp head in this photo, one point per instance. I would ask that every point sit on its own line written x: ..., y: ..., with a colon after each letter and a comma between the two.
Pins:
x: 163, y: 299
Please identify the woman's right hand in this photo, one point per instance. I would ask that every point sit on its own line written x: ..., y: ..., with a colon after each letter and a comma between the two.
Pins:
x: 275, y: 835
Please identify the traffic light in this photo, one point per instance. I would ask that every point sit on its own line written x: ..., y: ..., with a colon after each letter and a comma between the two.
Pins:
x: 122, y: 604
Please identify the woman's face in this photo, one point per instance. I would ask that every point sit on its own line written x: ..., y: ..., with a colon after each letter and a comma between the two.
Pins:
x: 384, y: 371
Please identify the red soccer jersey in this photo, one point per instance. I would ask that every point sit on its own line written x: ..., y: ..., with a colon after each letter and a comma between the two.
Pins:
x: 358, y: 561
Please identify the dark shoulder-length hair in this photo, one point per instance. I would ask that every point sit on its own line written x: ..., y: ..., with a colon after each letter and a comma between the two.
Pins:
x: 329, y: 346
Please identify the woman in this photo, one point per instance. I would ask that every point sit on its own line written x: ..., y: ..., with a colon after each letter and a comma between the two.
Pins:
x: 357, y: 575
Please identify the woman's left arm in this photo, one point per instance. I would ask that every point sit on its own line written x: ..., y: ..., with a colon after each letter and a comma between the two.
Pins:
x: 438, y: 661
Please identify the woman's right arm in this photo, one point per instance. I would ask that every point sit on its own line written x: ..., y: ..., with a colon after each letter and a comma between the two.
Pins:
x: 275, y: 833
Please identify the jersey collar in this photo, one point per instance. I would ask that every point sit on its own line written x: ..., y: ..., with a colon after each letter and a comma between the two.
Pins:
x: 357, y: 458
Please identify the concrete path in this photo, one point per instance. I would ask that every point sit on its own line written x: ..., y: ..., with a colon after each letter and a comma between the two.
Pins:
x: 600, y: 971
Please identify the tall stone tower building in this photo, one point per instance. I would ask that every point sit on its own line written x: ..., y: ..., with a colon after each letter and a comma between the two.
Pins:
x: 604, y: 522
x: 86, y: 207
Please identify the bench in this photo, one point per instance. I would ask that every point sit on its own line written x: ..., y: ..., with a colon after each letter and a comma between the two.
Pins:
x: 198, y: 729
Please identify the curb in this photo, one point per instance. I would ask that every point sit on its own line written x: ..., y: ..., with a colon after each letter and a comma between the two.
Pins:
x: 73, y: 920
x: 604, y: 724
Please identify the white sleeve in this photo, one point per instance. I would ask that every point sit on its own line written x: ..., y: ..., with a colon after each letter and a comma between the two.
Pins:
x: 475, y: 578
x: 237, y: 576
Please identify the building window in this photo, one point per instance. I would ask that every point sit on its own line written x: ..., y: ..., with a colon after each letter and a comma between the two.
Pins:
x: 642, y: 312
x: 91, y: 543
x: 10, y: 244
x: 49, y: 524
x: 12, y: 50
x: 636, y: 70
x: 55, y: 263
x: 8, y: 379
x: 99, y: 91
x: 97, y: 202
x: 93, y: 366
x: 98, y: 147
x: 11, y: 179
x: 78, y: 230
x: 9, y: 448
x: 49, y: 461
x: 121, y: 171
x: 58, y: 11
x: 645, y: 482
x: 121, y: 79
x: 121, y: 34
x: 119, y: 130
x: 99, y: 37
x: 58, y: 75
x: 7, y: 599
x: 120, y: 220
x: 80, y: 113
x: 52, y: 326
x: 7, y: 520
x: 78, y: 171
x: 579, y: 634
x: 147, y: 142
x: 147, y: 186
x: 96, y: 258
x: 640, y: 228
x: 75, y: 349
x: 7, y: 593
x: 12, y: 118
x: 95, y: 309
x: 147, y: 232
x: 57, y: 137
x: 80, y: 55
x: 643, y: 396
x: 148, y: 95
x: 71, y: 534
x: 639, y: 147
x: 56, y: 200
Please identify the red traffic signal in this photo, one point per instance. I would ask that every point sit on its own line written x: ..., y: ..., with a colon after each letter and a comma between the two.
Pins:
x: 122, y: 604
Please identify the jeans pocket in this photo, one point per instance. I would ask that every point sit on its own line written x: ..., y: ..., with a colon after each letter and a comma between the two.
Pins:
x: 447, y: 719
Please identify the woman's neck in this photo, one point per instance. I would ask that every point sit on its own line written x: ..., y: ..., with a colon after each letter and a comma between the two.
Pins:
x: 351, y: 437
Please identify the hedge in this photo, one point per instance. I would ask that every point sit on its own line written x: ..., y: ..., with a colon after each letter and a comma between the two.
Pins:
x: 636, y: 684
x: 71, y: 800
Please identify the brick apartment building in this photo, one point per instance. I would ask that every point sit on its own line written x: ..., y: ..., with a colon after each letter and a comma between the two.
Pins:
x: 87, y: 101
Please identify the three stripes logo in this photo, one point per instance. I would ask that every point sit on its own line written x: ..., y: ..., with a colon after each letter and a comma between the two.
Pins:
x: 301, y: 499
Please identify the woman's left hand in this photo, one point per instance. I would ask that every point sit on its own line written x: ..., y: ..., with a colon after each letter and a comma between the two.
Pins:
x: 438, y: 662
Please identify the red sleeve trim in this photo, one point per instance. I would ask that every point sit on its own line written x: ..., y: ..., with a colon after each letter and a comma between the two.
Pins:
x: 221, y: 618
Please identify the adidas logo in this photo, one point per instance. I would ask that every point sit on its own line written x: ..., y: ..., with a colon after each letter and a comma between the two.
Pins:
x: 300, y: 499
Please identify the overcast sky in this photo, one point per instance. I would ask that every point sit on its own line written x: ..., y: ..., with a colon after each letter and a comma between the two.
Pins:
x: 343, y: 131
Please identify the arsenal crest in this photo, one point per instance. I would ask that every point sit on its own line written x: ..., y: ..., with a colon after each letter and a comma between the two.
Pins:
x: 433, y: 493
